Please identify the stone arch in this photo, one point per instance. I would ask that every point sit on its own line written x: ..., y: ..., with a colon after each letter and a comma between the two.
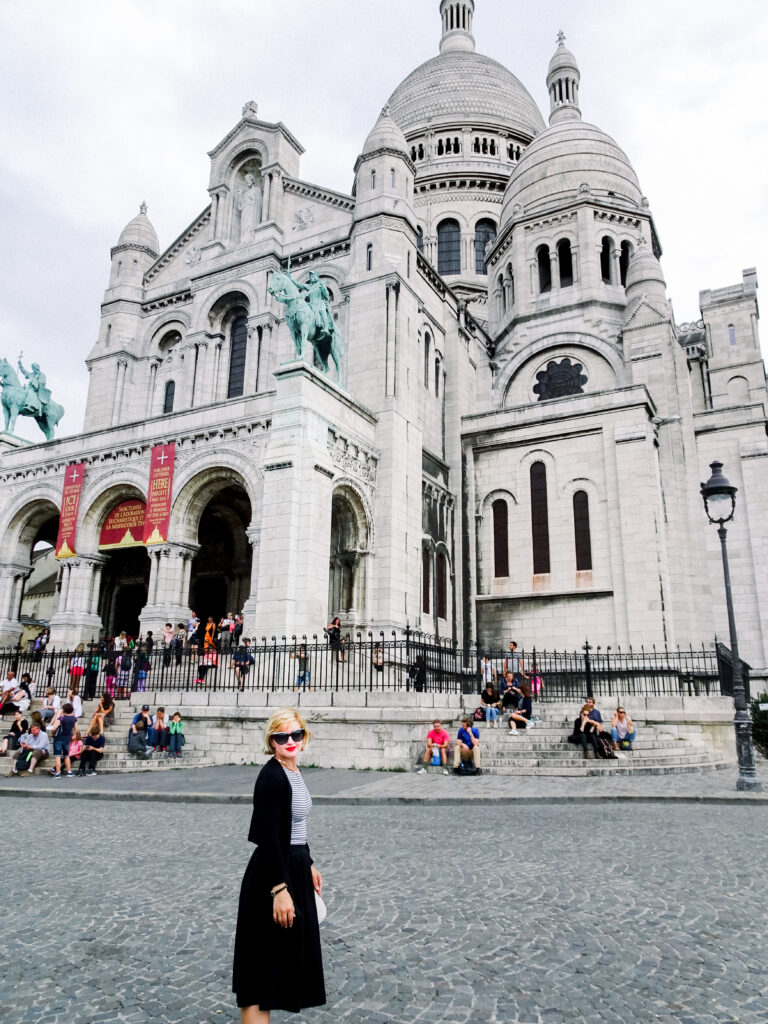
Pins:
x: 221, y: 304
x: 350, y: 545
x: 153, y: 336
x: 25, y: 518
x: 201, y: 480
x: 240, y: 155
x: 100, y: 498
x: 738, y: 391
x: 569, y: 343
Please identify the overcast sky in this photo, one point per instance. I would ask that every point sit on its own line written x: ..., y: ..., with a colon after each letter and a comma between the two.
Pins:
x: 108, y: 103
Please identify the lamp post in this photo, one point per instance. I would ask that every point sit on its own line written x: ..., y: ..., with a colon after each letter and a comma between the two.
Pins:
x: 720, y: 504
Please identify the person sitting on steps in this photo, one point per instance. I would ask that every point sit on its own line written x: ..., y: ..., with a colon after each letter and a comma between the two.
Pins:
x: 520, y: 716
x: 622, y: 730
x: 585, y: 732
x: 437, y: 740
x: 467, y: 745
x: 491, y: 704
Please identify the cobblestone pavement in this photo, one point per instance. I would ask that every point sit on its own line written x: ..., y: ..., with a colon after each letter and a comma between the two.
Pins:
x: 546, y: 914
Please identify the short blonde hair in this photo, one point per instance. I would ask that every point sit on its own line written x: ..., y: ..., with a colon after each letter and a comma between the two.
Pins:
x: 282, y: 717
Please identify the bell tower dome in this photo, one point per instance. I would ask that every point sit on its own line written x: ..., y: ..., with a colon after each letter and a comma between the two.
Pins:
x: 563, y: 84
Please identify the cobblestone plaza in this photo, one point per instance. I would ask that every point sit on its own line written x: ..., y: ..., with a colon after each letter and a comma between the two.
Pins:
x: 118, y: 911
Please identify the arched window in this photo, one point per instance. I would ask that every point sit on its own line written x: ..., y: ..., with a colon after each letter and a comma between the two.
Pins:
x: 731, y: 334
x: 545, y: 268
x: 502, y: 295
x: 624, y: 257
x: 426, y: 580
x: 440, y: 149
x: 420, y: 238
x: 427, y: 345
x: 421, y: 151
x: 485, y: 232
x: 170, y: 394
x: 413, y: 153
x: 238, y: 346
x: 539, y: 518
x: 500, y: 538
x: 373, y: 180
x: 581, y: 531
x: 448, y: 247
x: 606, y: 260
x: 565, y: 262
x: 511, y: 280
x: 392, y: 176
x: 369, y: 257
x: 437, y: 377
x: 441, y: 579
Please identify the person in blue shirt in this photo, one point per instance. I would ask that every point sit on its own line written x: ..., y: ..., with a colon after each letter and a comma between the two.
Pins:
x: 467, y: 744
x: 594, y: 714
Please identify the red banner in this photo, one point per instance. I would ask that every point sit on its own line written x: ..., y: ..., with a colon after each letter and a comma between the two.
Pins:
x: 124, y: 526
x: 158, y: 517
x: 70, y: 503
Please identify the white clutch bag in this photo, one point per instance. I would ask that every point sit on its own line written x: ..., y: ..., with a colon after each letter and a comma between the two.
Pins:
x: 322, y: 910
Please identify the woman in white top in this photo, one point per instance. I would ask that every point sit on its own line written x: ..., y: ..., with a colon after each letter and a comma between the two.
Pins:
x: 622, y: 729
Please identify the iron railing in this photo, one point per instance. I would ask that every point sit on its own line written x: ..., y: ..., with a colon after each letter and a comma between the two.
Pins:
x: 384, y: 662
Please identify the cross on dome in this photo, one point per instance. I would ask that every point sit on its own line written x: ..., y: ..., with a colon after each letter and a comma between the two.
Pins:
x: 143, y: 207
x: 561, y: 38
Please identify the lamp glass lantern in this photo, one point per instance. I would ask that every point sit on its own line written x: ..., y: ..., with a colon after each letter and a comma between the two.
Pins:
x: 719, y: 496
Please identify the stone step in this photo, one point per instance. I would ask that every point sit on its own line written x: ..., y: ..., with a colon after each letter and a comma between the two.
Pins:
x: 653, y: 762
x: 119, y: 764
x: 608, y: 767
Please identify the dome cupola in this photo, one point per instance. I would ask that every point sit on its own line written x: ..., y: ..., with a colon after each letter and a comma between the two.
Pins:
x: 139, y: 233
x: 457, y: 25
x: 563, y: 84
x: 385, y: 134
x: 645, y: 276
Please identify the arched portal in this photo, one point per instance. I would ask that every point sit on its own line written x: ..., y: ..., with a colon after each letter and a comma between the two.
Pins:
x: 221, y: 570
x: 28, y: 588
x: 349, y: 550
x: 124, y: 590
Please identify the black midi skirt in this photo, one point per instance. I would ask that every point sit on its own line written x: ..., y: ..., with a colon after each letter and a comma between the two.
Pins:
x: 278, y: 968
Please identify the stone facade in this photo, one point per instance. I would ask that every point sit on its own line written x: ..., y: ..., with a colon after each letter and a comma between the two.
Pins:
x: 517, y: 438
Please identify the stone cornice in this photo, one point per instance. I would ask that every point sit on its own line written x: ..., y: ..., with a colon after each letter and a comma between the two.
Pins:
x: 320, y: 194
x: 385, y: 151
x: 331, y: 250
x: 177, y: 299
x: 254, y: 122
x: 175, y: 247
x: 132, y: 247
x: 445, y: 195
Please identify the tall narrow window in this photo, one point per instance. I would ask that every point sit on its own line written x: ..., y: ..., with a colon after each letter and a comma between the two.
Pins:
x: 565, y: 262
x: 511, y: 281
x: 624, y: 257
x: 485, y: 232
x: 369, y: 257
x: 502, y: 295
x: 448, y: 247
x: 427, y: 346
x: 238, y: 346
x: 170, y: 394
x: 545, y: 268
x: 420, y: 239
x: 581, y: 531
x: 441, y: 579
x: 500, y: 538
x: 373, y: 180
x: 539, y: 518
x: 606, y: 260
x: 731, y: 334
x: 426, y: 580
x: 392, y: 176
x: 437, y: 378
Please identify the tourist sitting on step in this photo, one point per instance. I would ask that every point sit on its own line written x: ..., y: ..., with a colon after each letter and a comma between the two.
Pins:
x: 159, y: 734
x: 143, y: 716
x: 33, y: 750
x: 437, y: 743
x: 73, y: 698
x: 520, y: 716
x: 491, y: 704
x: 9, y: 687
x: 177, y: 740
x: 511, y: 694
x: 243, y: 659
x: 93, y: 751
x: 75, y: 748
x: 622, y: 730
x: 467, y: 745
x: 594, y: 714
x: 585, y: 732
x: 19, y: 726
x: 137, y: 740
x: 51, y: 704
x: 104, y: 715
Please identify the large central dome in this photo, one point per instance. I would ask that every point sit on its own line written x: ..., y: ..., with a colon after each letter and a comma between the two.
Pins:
x: 464, y: 86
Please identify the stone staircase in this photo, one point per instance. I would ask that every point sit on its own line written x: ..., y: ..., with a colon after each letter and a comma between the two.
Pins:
x: 543, y: 749
x: 116, y: 758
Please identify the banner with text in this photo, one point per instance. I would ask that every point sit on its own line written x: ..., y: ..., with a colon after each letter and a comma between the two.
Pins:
x: 158, y: 517
x: 70, y: 503
x: 124, y: 526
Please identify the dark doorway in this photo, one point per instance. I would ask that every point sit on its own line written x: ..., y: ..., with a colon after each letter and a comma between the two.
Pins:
x: 124, y: 590
x: 221, y: 570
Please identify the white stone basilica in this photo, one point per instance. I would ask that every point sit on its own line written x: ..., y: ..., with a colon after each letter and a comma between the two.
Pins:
x: 516, y: 445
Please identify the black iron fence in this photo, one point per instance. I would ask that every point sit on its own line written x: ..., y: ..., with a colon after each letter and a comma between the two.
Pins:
x: 393, y: 661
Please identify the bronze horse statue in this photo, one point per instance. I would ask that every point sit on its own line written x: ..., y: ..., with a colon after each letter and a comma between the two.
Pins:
x: 14, y: 399
x: 307, y: 324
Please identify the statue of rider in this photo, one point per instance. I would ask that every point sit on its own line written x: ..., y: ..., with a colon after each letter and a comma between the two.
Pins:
x: 37, y: 394
x: 319, y: 302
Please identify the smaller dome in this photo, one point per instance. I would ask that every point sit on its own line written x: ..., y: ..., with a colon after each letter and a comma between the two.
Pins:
x: 562, y: 58
x: 569, y: 159
x: 645, y: 273
x: 385, y: 135
x: 139, y: 231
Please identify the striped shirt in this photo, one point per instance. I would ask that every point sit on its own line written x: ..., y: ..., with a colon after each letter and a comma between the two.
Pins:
x: 301, y: 805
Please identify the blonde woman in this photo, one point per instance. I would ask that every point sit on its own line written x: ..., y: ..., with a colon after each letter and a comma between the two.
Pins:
x: 278, y: 964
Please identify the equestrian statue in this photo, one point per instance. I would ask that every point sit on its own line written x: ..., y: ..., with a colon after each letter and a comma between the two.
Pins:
x: 30, y: 399
x: 310, y: 321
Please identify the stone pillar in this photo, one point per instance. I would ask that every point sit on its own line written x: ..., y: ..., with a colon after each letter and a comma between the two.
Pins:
x: 12, y: 578
x: 266, y: 198
x: 76, y: 620
x: 250, y: 624
x: 122, y: 367
x: 151, y: 389
x: 169, y: 577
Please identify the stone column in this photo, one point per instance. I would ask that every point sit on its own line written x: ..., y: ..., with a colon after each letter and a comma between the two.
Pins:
x: 266, y: 198
x: 122, y: 367
x: 12, y: 578
x: 76, y: 620
x: 151, y: 389
x: 168, y: 594
x: 250, y: 625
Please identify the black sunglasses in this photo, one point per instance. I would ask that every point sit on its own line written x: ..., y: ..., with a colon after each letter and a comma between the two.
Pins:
x: 281, y: 738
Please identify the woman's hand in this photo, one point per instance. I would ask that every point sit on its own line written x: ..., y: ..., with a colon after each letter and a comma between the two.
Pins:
x: 282, y: 909
x: 317, y: 880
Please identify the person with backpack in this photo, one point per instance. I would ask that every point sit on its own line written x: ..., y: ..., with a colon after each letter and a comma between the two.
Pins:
x: 62, y: 728
x: 467, y: 746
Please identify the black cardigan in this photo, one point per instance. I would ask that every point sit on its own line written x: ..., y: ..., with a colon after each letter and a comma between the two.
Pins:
x: 271, y: 822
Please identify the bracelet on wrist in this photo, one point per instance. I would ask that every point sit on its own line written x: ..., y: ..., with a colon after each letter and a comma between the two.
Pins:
x: 278, y: 890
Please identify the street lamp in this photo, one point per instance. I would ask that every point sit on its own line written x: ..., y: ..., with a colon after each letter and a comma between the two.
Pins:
x: 720, y: 504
